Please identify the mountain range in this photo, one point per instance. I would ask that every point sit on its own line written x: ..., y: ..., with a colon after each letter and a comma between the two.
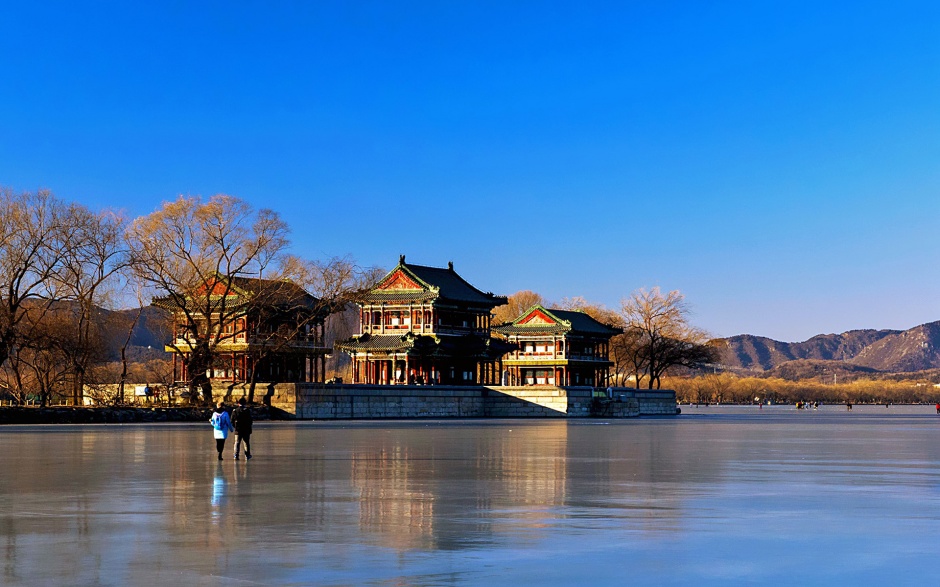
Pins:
x: 886, y: 351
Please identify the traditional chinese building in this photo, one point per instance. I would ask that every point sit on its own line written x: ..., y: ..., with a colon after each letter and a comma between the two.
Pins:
x: 273, y: 327
x: 425, y: 325
x: 557, y: 347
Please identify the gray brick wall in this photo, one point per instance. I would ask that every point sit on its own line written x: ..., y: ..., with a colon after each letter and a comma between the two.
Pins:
x: 331, y: 402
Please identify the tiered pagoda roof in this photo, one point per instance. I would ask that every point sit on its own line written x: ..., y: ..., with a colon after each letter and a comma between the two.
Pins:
x: 272, y: 293
x: 540, y: 320
x: 414, y: 283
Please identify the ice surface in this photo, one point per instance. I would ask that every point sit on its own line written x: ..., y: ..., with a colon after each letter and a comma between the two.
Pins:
x: 717, y: 496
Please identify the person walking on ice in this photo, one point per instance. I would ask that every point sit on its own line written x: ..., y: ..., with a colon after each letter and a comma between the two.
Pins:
x: 241, y: 418
x: 221, y: 426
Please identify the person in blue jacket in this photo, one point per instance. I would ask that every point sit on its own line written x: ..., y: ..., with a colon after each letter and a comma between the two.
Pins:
x: 221, y: 426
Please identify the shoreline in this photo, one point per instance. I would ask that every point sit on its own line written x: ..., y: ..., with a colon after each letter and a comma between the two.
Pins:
x: 112, y: 415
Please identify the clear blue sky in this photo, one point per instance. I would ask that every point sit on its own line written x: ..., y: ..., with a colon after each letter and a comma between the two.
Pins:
x: 777, y: 162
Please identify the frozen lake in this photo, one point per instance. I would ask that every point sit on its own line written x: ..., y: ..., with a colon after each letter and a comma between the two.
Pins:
x: 717, y: 496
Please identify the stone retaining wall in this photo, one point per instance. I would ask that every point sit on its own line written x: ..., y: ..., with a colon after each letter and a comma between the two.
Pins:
x: 627, y: 407
x: 337, y: 402
x: 331, y: 402
x: 544, y: 402
x: 649, y: 402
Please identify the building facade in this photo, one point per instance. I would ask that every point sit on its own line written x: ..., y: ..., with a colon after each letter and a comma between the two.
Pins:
x: 557, y: 347
x: 270, y: 329
x: 425, y: 325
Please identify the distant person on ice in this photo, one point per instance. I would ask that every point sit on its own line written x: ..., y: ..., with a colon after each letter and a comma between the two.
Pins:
x: 221, y: 426
x: 241, y: 418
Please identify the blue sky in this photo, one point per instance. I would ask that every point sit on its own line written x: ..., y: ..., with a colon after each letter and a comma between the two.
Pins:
x: 777, y: 162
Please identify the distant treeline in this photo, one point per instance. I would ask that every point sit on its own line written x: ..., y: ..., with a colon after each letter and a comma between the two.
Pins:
x: 729, y: 388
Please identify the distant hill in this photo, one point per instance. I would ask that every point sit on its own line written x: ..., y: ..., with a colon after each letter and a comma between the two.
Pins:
x: 827, y: 371
x: 148, y: 338
x: 887, y: 351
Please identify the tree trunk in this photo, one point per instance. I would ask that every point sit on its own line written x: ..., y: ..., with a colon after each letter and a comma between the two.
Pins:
x: 207, y: 390
x: 127, y: 341
x: 18, y: 378
x: 198, y: 363
x: 200, y: 390
x: 120, y: 395
x: 78, y: 386
x: 253, y: 380
x: 6, y: 345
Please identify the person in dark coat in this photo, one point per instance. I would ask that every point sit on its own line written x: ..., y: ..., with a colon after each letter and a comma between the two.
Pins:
x: 241, y: 419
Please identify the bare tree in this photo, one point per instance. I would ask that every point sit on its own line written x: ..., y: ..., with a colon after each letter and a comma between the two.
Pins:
x: 599, y: 312
x: 33, y: 245
x: 629, y: 357
x: 131, y: 324
x: 191, y: 250
x: 39, y: 367
x: 518, y: 303
x: 96, y: 255
x: 300, y: 302
x: 659, y: 336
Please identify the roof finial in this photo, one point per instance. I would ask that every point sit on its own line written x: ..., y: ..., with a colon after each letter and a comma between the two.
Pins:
x: 450, y: 265
x: 401, y: 259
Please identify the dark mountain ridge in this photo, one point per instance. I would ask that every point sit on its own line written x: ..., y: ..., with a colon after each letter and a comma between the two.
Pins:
x: 887, y: 351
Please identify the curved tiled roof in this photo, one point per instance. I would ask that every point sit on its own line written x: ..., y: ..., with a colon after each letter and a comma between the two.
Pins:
x: 565, y: 321
x: 581, y: 322
x: 436, y: 283
x: 511, y: 328
x: 398, y: 296
x: 273, y: 293
x: 383, y: 342
x: 452, y: 286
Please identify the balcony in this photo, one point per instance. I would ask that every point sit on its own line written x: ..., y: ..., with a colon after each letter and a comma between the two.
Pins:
x: 243, y: 343
x: 561, y: 357
x: 397, y: 329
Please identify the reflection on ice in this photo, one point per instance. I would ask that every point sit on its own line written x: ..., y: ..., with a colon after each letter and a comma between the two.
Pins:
x: 218, y: 490
x: 731, y: 495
